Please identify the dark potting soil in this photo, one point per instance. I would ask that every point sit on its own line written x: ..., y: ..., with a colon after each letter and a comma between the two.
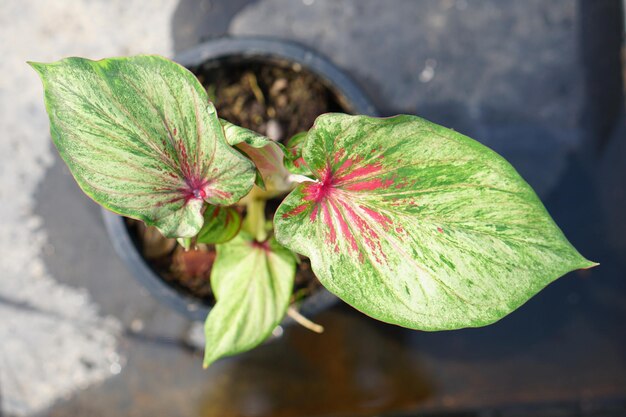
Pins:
x: 275, y: 99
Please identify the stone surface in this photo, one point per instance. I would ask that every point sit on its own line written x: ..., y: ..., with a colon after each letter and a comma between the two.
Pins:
x: 195, y: 21
x: 486, y: 68
x: 485, y: 61
x: 76, y: 328
x: 54, y: 338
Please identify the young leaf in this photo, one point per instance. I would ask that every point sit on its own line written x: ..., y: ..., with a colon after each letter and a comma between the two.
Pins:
x: 252, y: 282
x: 221, y: 224
x: 141, y: 139
x: 293, y: 155
x: 418, y: 225
x: 266, y: 154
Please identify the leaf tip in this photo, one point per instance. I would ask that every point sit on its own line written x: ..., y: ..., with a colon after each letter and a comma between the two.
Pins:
x: 208, y: 359
x: 37, y: 66
x: 590, y: 264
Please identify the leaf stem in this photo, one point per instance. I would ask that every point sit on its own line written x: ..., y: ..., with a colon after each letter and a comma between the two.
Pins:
x: 255, y: 219
x: 303, y: 321
x: 297, y: 178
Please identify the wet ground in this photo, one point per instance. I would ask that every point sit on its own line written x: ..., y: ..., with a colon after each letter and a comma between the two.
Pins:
x: 539, y: 82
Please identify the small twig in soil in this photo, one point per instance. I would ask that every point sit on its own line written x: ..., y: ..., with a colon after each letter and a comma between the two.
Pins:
x: 256, y: 90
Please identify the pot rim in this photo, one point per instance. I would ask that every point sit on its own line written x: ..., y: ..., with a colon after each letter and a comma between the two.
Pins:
x: 347, y: 92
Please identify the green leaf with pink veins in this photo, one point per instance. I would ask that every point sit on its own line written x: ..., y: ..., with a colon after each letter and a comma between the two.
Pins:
x: 417, y: 225
x: 293, y: 155
x: 221, y: 224
x: 252, y: 282
x: 141, y: 138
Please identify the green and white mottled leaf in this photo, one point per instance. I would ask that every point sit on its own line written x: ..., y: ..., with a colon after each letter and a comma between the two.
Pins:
x: 252, y: 283
x: 266, y: 154
x: 142, y: 140
x: 420, y: 226
x: 221, y: 224
x: 293, y: 155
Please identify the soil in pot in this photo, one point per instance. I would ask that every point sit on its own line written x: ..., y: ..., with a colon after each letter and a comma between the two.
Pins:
x: 275, y: 98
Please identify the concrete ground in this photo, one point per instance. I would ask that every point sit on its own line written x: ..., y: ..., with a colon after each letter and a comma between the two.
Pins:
x: 55, y: 338
x: 538, y: 81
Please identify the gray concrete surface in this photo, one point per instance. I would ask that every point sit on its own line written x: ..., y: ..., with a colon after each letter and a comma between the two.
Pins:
x: 506, y: 72
x: 54, y: 339
x: 79, y: 337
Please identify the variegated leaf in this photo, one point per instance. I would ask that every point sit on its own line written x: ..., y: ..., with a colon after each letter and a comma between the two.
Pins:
x: 418, y: 225
x: 252, y: 282
x: 293, y: 155
x: 221, y: 224
x: 266, y: 154
x: 141, y: 139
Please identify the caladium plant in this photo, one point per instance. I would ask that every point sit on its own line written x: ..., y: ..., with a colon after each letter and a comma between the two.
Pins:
x: 407, y: 221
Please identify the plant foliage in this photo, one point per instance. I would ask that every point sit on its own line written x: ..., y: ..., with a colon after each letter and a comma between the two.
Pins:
x: 407, y: 221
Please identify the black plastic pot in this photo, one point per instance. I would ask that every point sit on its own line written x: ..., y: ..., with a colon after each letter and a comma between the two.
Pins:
x: 347, y: 93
